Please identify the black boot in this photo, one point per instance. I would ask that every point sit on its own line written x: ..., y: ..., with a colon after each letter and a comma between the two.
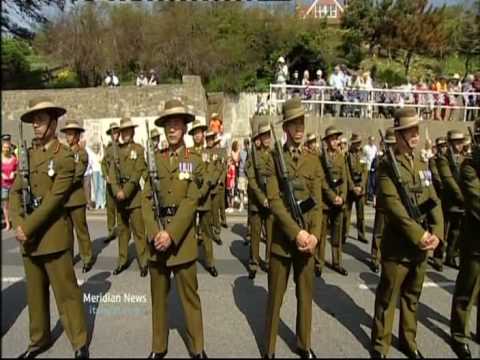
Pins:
x: 201, y: 355
x: 159, y: 355
x: 82, y: 353
x: 462, y: 350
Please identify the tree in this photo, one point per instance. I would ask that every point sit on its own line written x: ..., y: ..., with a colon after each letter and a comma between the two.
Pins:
x: 468, y: 42
x: 17, y: 13
x: 417, y: 28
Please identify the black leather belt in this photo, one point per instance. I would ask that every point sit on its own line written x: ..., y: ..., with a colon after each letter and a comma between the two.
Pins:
x: 168, y: 211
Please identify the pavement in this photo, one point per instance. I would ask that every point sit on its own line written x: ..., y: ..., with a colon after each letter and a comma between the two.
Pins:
x: 233, y: 306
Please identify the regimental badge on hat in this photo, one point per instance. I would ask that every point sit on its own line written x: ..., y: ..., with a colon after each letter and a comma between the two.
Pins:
x: 38, y: 104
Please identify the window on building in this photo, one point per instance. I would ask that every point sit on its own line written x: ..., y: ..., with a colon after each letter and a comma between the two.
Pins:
x: 333, y: 11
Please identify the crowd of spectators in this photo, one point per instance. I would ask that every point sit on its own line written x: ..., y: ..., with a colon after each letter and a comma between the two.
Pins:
x: 436, y: 98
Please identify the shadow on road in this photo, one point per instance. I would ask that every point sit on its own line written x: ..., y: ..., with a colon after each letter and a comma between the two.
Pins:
x: 251, y: 300
x: 241, y: 252
x: 425, y: 314
x: 341, y: 306
x: 357, y: 253
x: 439, y: 278
x: 96, y: 285
x: 14, y: 300
x: 239, y: 229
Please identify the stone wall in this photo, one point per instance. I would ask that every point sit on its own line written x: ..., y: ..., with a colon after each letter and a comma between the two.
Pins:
x: 105, y: 103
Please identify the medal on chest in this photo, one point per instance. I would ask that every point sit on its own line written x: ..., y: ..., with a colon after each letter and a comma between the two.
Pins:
x: 51, y: 170
x: 425, y: 177
x: 133, y: 155
x: 76, y: 157
x: 185, y: 170
x: 205, y: 157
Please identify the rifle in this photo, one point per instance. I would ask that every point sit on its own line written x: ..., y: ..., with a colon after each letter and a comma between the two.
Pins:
x: 153, y: 178
x: 414, y: 211
x: 116, y: 162
x: 453, y: 163
x: 333, y: 183
x: 295, y: 207
x: 29, y: 201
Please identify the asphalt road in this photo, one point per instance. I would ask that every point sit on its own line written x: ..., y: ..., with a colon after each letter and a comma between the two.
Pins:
x: 233, y: 306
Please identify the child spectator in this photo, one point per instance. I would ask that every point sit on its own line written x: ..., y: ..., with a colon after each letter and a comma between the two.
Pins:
x: 231, y: 176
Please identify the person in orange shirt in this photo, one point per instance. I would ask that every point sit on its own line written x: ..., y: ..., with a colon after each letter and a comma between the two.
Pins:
x: 216, y: 124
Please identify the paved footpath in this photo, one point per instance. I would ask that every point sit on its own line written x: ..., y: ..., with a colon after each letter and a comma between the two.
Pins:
x: 233, y: 306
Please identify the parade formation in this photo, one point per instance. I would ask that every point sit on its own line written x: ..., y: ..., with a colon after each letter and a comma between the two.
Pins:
x: 301, y: 196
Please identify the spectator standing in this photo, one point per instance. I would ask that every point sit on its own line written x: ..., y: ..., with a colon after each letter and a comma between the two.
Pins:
x: 216, y: 124
x: 307, y: 91
x: 242, y: 176
x: 370, y: 151
x: 9, y: 167
x: 235, y: 156
x: 108, y: 79
x: 98, y: 180
x: 115, y: 80
x: 87, y: 176
x: 152, y: 79
x: 281, y: 77
x: 141, y: 79
x: 230, y: 185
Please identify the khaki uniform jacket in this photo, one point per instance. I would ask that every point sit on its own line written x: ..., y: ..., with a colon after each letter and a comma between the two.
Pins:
x: 306, y: 177
x: 339, y: 170
x: 132, y: 167
x: 184, y: 194
x: 221, y: 163
x: 77, y: 196
x: 358, y: 170
x: 257, y: 188
x: 402, y: 234
x: 470, y: 185
x: 48, y: 228
x: 210, y: 175
x: 452, y: 194
x: 107, y: 161
x: 437, y: 180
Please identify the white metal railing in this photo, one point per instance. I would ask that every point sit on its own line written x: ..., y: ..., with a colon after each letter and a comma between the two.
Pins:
x: 364, y: 100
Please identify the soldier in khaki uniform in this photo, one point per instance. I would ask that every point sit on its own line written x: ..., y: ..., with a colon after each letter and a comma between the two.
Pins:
x: 405, y: 241
x: 359, y: 174
x: 174, y: 247
x: 204, y: 209
x: 155, y: 139
x: 310, y: 144
x: 335, y: 189
x: 107, y: 161
x: 441, y: 146
x: 218, y: 206
x: 214, y: 158
x: 45, y: 233
x: 448, y: 166
x: 77, y: 202
x: 258, y: 205
x: 293, y: 246
x: 126, y: 187
x: 467, y: 286
x: 379, y: 221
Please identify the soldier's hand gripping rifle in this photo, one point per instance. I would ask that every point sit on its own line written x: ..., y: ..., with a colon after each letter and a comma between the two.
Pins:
x: 415, y: 212
x: 153, y: 178
x: 29, y: 201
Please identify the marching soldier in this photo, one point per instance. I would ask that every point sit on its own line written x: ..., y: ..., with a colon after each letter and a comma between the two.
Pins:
x: 293, y: 246
x: 108, y: 158
x: 77, y: 202
x: 215, y: 159
x: 359, y: 174
x: 174, y: 247
x: 441, y: 146
x: 155, y: 138
x: 126, y: 187
x: 467, y: 285
x: 259, y: 212
x: 449, y: 169
x: 204, y: 209
x: 406, y: 240
x: 311, y: 143
x: 335, y: 190
x: 219, y: 202
x: 45, y: 233
x: 379, y: 222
